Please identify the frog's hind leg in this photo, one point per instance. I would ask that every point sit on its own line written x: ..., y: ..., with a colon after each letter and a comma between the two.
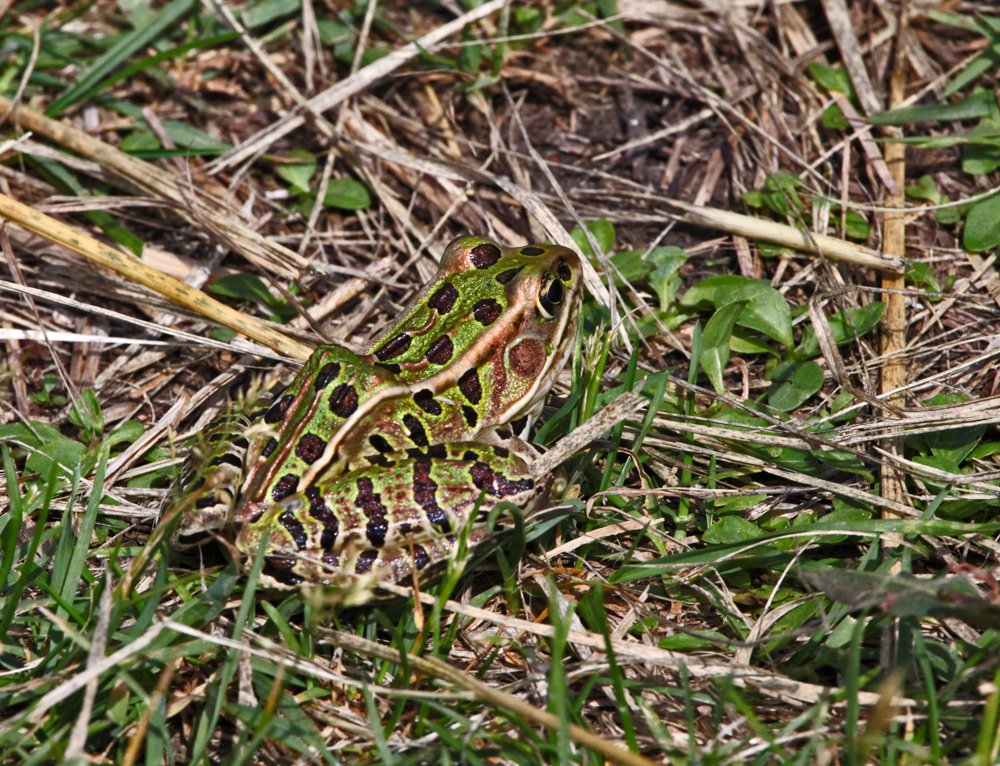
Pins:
x: 213, y: 472
x: 405, y: 513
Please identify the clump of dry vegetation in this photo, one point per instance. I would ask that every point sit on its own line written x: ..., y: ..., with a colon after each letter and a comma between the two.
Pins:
x: 778, y: 544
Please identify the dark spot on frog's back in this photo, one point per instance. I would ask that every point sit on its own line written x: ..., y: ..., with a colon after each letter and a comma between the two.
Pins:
x: 319, y: 511
x: 270, y: 447
x: 425, y: 400
x: 285, y: 486
x: 505, y: 276
x: 532, y: 250
x: 565, y: 272
x: 394, y: 347
x: 326, y: 373
x: 310, y: 448
x: 420, y: 557
x: 344, y: 400
x: 425, y: 493
x: 440, y: 350
x: 277, y: 412
x: 486, y: 311
x: 469, y: 385
x: 471, y: 416
x: 366, y: 560
x: 417, y: 433
x: 444, y: 298
x: 279, y: 569
x: 485, y: 255
x: 371, y: 504
x: 228, y: 459
x: 495, y: 483
x: 295, y: 529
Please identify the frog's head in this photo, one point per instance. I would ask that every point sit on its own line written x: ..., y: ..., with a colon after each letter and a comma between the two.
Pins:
x: 516, y: 325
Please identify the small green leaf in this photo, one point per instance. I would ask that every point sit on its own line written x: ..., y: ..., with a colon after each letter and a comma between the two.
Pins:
x: 713, y: 291
x: 738, y: 503
x: 731, y: 529
x: 980, y: 159
x: 794, y: 382
x: 985, y: 450
x: 332, y: 32
x: 298, y: 174
x: 982, y: 225
x: 140, y: 141
x: 470, y: 56
x: 127, y: 432
x: 987, y: 61
x: 922, y: 274
x: 189, y: 137
x: 781, y: 193
x: 117, y: 231
x: 925, y: 189
x: 834, y: 79
x: 665, y: 279
x: 630, y: 266
x: 767, y: 309
x: 857, y: 226
x: 347, y: 194
x: 44, y: 398
x: 954, y: 444
x: 222, y: 334
x: 47, y: 445
x: 373, y: 54
x: 86, y: 415
x: 981, y: 104
x: 845, y: 461
x: 243, y: 286
x: 744, y: 343
x: 845, y: 326
x: 715, y: 342
x: 528, y: 18
x: 262, y: 13
x: 694, y: 641
x: 834, y: 119
x: 603, y: 231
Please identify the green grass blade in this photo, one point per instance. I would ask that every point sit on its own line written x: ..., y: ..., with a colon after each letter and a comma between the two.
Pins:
x: 592, y: 609
x: 120, y: 53
x: 13, y: 519
x: 81, y: 551
x: 150, y: 61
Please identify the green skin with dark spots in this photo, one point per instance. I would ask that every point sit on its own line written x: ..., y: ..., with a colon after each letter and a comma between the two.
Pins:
x: 375, y: 469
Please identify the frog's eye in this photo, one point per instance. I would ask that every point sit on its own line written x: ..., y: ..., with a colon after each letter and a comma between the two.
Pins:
x: 550, y: 296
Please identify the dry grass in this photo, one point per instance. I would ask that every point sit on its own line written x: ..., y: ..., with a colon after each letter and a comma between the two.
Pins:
x: 744, y: 570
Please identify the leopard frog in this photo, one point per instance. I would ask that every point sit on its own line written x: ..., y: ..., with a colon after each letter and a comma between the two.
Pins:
x: 372, y: 463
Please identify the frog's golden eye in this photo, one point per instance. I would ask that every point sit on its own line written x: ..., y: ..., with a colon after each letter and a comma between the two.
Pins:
x: 550, y: 296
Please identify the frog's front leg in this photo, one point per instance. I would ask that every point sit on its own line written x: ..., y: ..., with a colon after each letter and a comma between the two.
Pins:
x: 402, y: 514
